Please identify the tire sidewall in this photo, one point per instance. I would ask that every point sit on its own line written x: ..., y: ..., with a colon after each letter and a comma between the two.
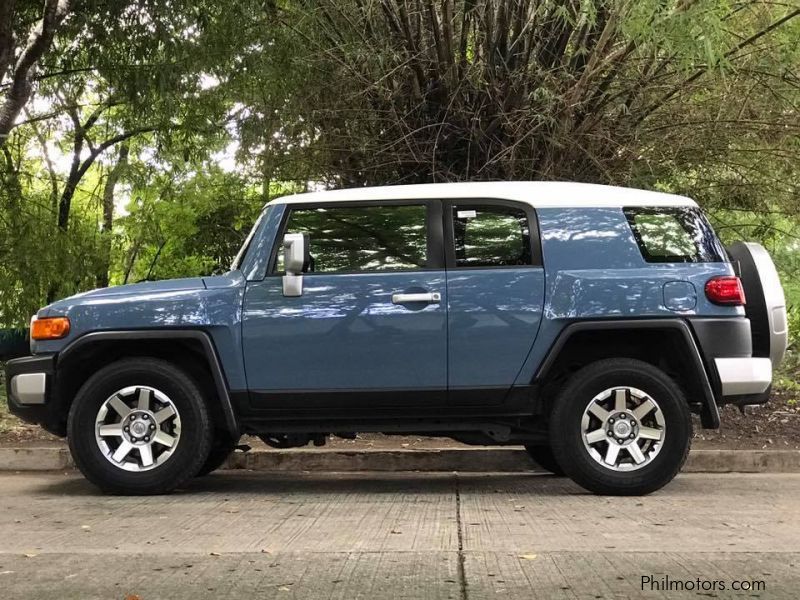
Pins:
x: 192, y: 447
x: 566, y: 432
x: 222, y: 447
x: 542, y: 455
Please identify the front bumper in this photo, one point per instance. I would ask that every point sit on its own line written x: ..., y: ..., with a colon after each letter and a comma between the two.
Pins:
x: 29, y: 388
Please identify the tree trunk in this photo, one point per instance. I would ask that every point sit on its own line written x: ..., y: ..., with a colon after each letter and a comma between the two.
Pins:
x: 74, y: 177
x: 108, y: 215
x: 7, y: 9
x: 78, y: 169
x: 22, y: 74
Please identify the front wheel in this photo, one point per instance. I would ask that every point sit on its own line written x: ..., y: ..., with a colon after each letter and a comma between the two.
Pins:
x: 621, y: 427
x: 222, y: 447
x: 139, y: 426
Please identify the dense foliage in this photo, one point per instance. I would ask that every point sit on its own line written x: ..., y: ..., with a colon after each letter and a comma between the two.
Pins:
x: 142, y: 137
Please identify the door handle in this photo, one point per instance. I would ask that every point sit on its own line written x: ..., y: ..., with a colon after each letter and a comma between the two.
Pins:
x: 429, y: 298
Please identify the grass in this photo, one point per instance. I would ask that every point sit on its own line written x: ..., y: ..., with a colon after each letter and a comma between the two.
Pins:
x: 7, y: 421
x: 787, y: 377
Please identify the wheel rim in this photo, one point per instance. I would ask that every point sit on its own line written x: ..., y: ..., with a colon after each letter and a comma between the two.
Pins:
x: 623, y: 429
x: 138, y: 428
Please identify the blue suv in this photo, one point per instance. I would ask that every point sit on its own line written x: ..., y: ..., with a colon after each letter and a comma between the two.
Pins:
x: 584, y: 322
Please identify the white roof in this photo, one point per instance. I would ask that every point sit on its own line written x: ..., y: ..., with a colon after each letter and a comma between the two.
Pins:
x: 540, y: 194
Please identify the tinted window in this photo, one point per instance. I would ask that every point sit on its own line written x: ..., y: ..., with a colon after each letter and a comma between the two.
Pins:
x: 368, y: 238
x: 491, y: 236
x: 674, y: 235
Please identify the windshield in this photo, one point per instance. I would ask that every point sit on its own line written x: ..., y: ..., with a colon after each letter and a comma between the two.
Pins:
x: 237, y: 262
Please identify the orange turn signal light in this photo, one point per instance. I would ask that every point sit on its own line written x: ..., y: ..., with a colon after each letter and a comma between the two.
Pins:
x: 49, y: 328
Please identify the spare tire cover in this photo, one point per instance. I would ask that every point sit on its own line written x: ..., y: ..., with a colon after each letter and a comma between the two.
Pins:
x: 765, y: 303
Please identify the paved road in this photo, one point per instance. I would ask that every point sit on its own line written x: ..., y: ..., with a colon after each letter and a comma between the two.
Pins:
x: 405, y: 535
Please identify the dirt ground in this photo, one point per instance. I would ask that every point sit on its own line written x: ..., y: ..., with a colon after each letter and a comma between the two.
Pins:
x: 774, y: 425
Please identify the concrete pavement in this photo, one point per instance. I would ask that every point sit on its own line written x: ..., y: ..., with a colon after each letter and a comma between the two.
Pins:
x: 396, y: 535
x: 462, y: 459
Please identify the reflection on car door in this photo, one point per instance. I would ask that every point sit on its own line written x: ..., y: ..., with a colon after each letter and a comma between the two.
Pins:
x: 495, y: 290
x: 370, y: 327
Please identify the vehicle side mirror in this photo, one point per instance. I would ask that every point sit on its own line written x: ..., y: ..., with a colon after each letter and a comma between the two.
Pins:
x: 295, y: 260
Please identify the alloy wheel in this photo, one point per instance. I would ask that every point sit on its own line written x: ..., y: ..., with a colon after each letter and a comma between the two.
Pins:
x: 623, y: 429
x: 138, y: 428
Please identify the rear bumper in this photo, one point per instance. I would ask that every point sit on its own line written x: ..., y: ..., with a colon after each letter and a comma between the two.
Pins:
x: 29, y: 388
x: 744, y: 376
x: 737, y: 377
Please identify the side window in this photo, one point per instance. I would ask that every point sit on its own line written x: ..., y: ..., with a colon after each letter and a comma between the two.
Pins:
x: 352, y: 239
x: 488, y: 235
x: 673, y: 235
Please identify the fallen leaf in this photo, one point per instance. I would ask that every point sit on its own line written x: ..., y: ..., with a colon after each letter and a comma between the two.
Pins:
x: 527, y: 556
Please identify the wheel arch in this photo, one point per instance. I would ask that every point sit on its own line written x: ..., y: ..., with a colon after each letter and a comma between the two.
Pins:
x: 192, y: 350
x: 665, y: 343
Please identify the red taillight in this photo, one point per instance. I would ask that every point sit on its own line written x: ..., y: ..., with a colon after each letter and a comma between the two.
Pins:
x: 725, y: 290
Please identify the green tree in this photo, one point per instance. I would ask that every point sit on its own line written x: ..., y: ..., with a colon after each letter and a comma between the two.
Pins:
x: 651, y: 93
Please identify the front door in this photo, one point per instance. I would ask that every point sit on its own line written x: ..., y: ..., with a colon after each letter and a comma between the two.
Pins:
x: 370, y: 328
x: 495, y: 291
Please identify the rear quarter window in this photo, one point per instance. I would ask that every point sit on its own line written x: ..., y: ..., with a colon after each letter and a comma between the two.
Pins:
x: 674, y: 235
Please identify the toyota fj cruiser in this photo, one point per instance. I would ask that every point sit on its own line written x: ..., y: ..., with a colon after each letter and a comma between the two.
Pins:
x: 584, y: 322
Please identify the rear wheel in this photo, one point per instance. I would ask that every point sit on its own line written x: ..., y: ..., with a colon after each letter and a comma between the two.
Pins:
x: 542, y: 455
x: 139, y: 426
x: 621, y: 427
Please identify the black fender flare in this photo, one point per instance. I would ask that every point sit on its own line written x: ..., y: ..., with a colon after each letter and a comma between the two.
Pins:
x: 710, y: 411
x: 231, y: 424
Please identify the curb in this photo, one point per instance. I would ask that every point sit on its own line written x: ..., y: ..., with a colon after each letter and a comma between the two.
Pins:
x: 467, y: 460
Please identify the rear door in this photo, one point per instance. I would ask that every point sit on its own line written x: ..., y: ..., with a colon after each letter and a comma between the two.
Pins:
x: 370, y: 328
x: 495, y: 289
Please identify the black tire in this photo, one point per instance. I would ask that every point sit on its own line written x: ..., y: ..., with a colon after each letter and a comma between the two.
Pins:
x: 192, y: 447
x: 221, y: 448
x: 567, y: 440
x: 542, y: 455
